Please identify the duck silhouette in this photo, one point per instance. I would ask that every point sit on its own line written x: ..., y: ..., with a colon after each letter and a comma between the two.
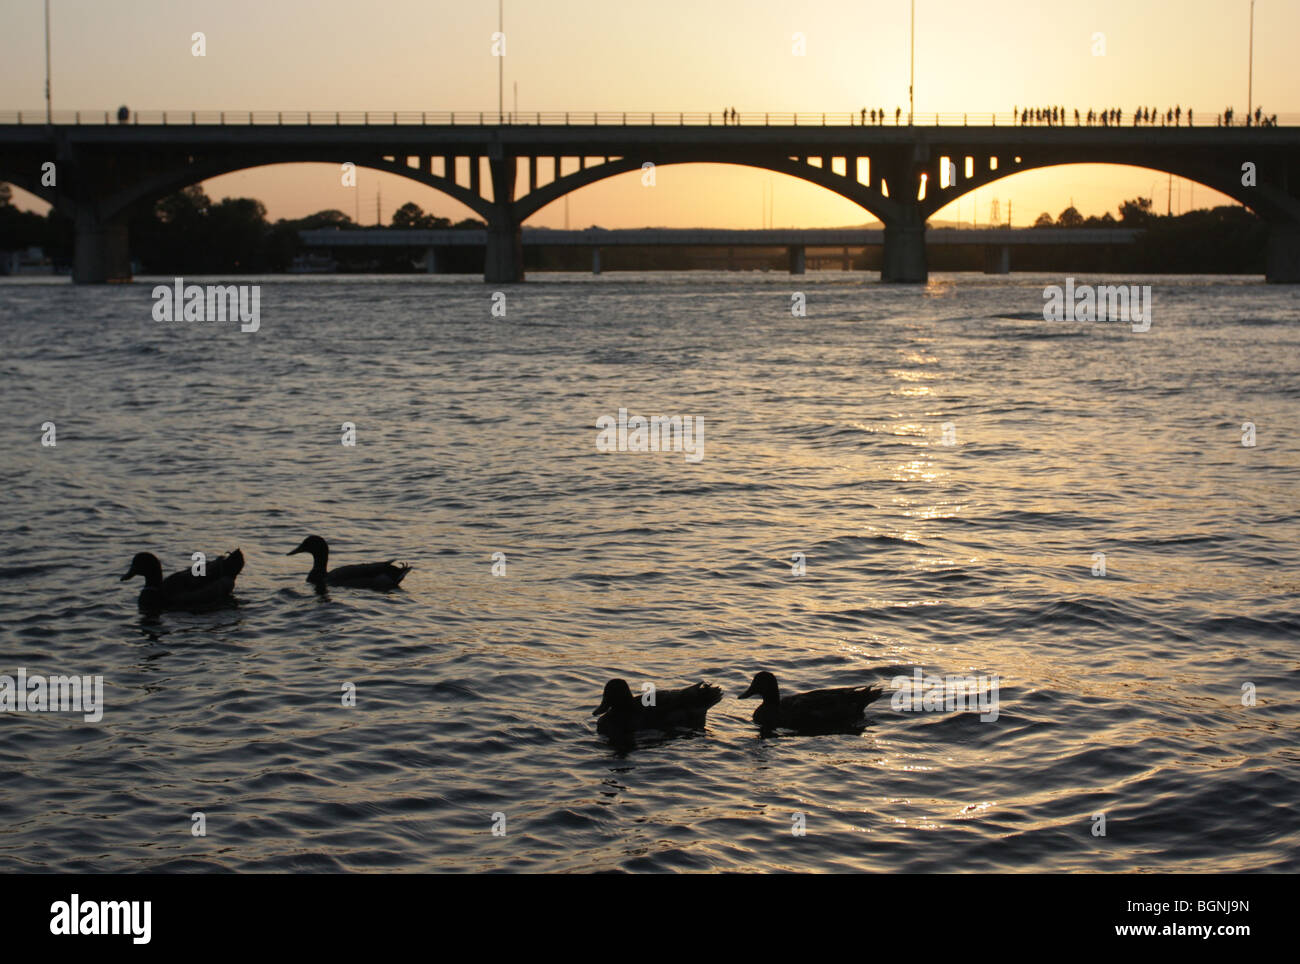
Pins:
x: 621, y: 713
x: 819, y: 711
x: 366, y: 575
x: 184, y: 590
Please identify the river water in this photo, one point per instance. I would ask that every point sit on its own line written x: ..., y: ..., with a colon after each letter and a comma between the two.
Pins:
x: 946, y: 462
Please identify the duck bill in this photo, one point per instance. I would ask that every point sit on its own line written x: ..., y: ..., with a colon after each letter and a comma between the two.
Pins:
x: 294, y: 552
x: 603, y: 708
x: 749, y: 692
x: 129, y: 573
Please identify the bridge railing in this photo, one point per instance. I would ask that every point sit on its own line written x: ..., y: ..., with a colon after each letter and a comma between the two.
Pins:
x: 388, y: 118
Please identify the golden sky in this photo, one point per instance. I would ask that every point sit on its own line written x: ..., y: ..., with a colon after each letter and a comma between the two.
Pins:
x: 665, y: 55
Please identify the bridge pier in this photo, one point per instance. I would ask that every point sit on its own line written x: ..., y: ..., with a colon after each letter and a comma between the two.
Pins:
x: 595, y: 260
x: 997, y: 259
x: 798, y: 258
x: 430, y: 261
x: 101, y: 252
x: 1282, y: 260
x: 904, y: 256
x: 504, y: 260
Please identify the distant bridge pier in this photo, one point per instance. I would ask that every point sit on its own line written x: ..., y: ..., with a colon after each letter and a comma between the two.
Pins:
x: 595, y: 260
x: 798, y: 258
x: 102, y: 251
x: 430, y: 260
x: 1282, y: 259
x: 997, y: 259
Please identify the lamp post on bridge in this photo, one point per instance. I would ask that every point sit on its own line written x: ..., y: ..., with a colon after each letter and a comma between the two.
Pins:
x: 911, y: 78
x: 1250, y: 69
x: 501, y: 61
x: 49, y: 111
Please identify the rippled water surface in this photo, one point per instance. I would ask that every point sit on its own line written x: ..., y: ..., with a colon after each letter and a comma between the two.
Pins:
x: 1119, y: 695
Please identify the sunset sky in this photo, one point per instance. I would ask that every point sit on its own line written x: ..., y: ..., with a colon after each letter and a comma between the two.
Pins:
x: 669, y: 55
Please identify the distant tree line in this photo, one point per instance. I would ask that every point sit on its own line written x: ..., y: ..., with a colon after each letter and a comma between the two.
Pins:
x: 1224, y: 240
x: 20, y: 229
x: 188, y: 232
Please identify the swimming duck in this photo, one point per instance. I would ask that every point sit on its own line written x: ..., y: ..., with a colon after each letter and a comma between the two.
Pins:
x: 821, y: 711
x: 184, y: 590
x: 625, y: 713
x: 367, y: 575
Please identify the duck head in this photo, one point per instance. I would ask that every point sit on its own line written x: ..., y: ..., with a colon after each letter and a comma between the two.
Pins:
x: 618, y: 695
x: 764, y: 685
x: 320, y: 554
x: 313, y: 544
x: 145, y: 564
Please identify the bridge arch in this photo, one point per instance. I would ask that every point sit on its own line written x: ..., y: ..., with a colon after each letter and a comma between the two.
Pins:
x: 32, y: 185
x: 161, y: 183
x: 867, y: 197
x: 1267, y: 200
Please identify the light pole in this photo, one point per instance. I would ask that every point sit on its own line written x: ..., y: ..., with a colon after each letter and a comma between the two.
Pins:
x: 911, y: 79
x: 1250, y: 78
x: 49, y: 113
x: 501, y: 61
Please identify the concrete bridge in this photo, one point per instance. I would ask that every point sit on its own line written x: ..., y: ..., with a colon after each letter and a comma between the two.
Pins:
x: 506, y: 169
x: 997, y: 242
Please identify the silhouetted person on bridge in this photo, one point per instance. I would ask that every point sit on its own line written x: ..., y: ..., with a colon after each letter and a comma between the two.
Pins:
x: 898, y: 113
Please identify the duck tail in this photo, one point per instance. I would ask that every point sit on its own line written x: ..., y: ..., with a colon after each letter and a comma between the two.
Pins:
x: 402, y: 570
x: 870, y: 694
x: 233, y: 564
x: 710, y: 695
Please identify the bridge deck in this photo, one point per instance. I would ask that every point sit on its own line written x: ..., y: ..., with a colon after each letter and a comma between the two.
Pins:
x: 488, y: 118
